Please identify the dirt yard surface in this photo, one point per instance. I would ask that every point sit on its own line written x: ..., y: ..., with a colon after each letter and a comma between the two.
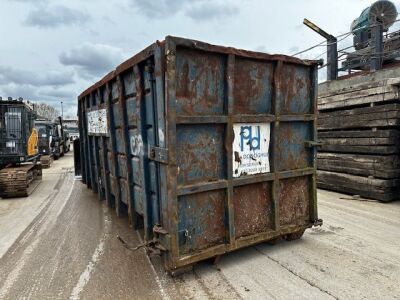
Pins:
x: 60, y: 243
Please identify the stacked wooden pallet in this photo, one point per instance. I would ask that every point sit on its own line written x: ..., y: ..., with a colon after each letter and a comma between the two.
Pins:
x: 359, y: 130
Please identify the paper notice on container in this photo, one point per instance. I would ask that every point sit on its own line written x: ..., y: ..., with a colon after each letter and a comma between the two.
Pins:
x: 97, y: 122
x: 251, y: 148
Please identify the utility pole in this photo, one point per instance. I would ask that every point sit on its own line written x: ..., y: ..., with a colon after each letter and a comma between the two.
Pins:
x: 332, y: 55
x: 62, y: 112
x: 377, y: 46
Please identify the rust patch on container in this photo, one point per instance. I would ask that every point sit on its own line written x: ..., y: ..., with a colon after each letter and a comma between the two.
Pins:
x: 253, y: 209
x: 200, y: 83
x: 114, y: 187
x: 295, y: 90
x: 201, y: 220
x: 252, y: 86
x: 102, y: 167
x: 124, y: 191
x: 111, y: 163
x: 122, y: 162
x: 200, y: 153
x: 294, y: 201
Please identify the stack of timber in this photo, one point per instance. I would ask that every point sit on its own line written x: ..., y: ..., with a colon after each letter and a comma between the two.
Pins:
x: 358, y: 127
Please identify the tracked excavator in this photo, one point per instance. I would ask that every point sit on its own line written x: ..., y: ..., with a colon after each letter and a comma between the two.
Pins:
x: 20, y: 171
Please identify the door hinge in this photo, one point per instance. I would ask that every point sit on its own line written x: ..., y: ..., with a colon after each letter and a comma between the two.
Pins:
x: 159, y: 229
x: 162, y: 236
x: 158, y: 154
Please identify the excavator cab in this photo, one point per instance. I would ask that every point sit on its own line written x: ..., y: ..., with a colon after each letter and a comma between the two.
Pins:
x: 18, y: 136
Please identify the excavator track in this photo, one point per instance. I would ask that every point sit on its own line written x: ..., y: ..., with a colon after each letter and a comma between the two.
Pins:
x: 19, y: 181
x: 46, y: 161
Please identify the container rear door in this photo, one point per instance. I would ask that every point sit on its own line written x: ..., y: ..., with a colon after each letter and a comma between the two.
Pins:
x: 240, y: 131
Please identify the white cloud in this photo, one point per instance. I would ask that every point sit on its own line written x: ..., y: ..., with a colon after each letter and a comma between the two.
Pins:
x: 199, y: 10
x: 92, y: 60
x: 55, y: 16
x: 159, y: 8
x: 211, y: 10
x: 27, y: 77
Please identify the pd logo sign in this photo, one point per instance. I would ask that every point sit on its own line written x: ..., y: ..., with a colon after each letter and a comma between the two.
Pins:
x: 247, y: 138
x: 251, y: 148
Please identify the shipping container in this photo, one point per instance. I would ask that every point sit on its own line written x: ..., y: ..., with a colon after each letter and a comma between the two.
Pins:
x: 208, y: 148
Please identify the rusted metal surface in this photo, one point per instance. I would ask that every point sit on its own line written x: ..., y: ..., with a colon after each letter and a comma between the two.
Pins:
x: 292, y: 153
x: 199, y: 83
x: 294, y: 204
x: 252, y: 217
x: 253, y: 86
x: 202, y: 221
x: 200, y: 153
x: 296, y: 87
x: 209, y: 148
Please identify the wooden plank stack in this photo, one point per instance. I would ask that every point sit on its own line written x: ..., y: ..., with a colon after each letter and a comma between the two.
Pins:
x: 359, y: 128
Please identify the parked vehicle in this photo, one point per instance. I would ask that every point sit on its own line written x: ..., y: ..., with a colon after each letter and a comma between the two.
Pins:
x: 67, y: 142
x: 210, y: 149
x: 73, y: 133
x: 46, y: 132
x: 58, y: 138
x: 20, y: 173
x: 71, y: 126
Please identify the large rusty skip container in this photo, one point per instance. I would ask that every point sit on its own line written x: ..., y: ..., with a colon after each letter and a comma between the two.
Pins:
x: 209, y: 149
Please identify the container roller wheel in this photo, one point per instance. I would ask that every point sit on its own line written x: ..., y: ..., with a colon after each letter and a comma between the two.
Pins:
x: 275, y: 241
x: 295, y: 235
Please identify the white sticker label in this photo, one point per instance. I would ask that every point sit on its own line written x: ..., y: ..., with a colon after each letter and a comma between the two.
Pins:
x: 10, y: 144
x: 97, y: 121
x: 251, y: 148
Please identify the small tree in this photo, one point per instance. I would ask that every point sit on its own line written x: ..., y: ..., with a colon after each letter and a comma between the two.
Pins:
x: 46, y: 111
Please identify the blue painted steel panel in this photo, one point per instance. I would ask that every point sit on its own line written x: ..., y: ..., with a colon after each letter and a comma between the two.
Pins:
x: 200, y: 82
x: 117, y: 114
x: 198, y: 148
x: 202, y: 220
x: 292, y: 153
x: 296, y: 91
x: 129, y: 84
x: 253, y: 89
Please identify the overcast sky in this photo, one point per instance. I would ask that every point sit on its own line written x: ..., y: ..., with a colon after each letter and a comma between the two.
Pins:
x: 51, y: 50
